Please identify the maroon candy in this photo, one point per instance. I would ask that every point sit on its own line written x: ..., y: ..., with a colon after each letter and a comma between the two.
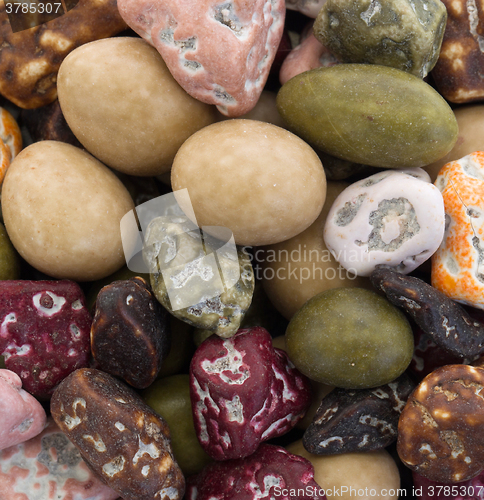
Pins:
x: 44, y: 332
x: 243, y: 392
x: 271, y: 472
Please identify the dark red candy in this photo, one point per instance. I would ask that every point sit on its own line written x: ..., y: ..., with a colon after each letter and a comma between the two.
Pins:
x: 243, y: 392
x: 130, y: 334
x: 44, y: 332
x: 271, y: 472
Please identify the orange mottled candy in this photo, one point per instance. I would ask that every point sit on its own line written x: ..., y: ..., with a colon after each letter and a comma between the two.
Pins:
x: 10, y: 133
x: 458, y: 264
x: 4, y: 160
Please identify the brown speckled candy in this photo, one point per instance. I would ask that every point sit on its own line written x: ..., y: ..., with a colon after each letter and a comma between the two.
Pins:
x: 359, y: 420
x: 121, y: 438
x: 243, y: 392
x: 457, y: 73
x: 219, y: 52
x: 44, y: 332
x: 441, y: 429
x: 271, y: 472
x: 49, y: 467
x: 130, y: 334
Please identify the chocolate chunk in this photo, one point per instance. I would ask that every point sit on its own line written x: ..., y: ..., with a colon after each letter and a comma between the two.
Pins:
x: 357, y: 420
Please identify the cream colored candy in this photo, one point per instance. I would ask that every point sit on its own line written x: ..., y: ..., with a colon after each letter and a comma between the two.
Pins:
x: 393, y: 218
x: 262, y: 182
x: 219, y: 52
x: 121, y: 102
x: 297, y: 269
x: 365, y: 476
x: 62, y: 210
x: 458, y: 266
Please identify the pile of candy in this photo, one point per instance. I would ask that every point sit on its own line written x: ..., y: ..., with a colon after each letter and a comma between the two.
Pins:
x: 240, y: 251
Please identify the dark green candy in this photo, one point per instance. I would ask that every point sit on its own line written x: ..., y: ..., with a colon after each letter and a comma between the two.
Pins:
x: 9, y: 259
x: 350, y: 338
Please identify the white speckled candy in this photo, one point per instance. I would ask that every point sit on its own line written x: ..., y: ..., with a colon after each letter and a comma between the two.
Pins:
x: 393, y: 218
x: 220, y: 52
x: 21, y: 415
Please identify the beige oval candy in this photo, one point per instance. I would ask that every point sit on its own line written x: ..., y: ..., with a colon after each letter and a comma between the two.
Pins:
x: 365, y: 471
x: 262, y: 182
x: 123, y: 105
x: 297, y: 269
x: 62, y: 210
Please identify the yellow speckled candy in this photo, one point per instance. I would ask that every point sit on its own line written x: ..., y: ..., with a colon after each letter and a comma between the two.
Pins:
x: 458, y: 264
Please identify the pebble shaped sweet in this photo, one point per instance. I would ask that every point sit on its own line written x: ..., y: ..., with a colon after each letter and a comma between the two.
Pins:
x: 391, y: 218
x: 457, y: 265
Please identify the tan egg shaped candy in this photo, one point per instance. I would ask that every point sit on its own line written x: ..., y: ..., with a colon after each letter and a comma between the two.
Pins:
x: 125, y: 108
x: 62, y: 210
x: 262, y: 182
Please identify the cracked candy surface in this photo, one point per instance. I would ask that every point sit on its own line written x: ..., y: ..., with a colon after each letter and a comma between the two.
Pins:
x: 440, y: 432
x: 243, y: 392
x: 269, y: 470
x: 220, y: 52
x: 49, y: 467
x: 457, y: 73
x: 44, y: 332
x: 458, y: 264
x: 391, y: 218
x: 122, y: 439
x: 403, y: 34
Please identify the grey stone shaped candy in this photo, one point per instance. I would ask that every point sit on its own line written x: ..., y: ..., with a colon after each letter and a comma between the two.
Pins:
x: 403, y: 34
x: 358, y: 420
x: 196, y: 277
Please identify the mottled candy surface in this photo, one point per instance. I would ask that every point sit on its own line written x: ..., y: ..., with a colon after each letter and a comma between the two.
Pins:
x: 122, y: 439
x: 220, y: 53
x: 457, y: 266
x: 243, y: 392
x: 21, y: 415
x: 44, y: 332
x: 447, y: 323
x: 130, y: 334
x: 441, y: 429
x: 201, y: 280
x: 390, y: 218
x: 49, y: 467
x: 352, y: 421
x: 457, y: 72
x: 271, y: 472
x: 404, y: 34
x: 30, y: 59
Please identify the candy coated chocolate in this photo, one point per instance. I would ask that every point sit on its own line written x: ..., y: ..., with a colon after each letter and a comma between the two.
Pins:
x: 22, y: 416
x: 243, y: 392
x: 441, y: 429
x: 122, y: 439
x: 44, y: 332
x: 271, y: 472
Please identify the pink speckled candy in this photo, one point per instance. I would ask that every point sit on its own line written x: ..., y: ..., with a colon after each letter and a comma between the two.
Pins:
x: 219, y: 52
x: 243, y: 392
x: 21, y: 415
x: 271, y: 473
x: 48, y: 467
x: 44, y: 332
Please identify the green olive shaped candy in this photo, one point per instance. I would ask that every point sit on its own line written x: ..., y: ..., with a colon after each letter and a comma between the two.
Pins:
x: 369, y: 114
x: 170, y: 398
x: 350, y: 338
x: 9, y: 260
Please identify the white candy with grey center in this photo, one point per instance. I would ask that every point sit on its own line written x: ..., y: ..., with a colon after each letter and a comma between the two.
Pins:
x: 394, y: 218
